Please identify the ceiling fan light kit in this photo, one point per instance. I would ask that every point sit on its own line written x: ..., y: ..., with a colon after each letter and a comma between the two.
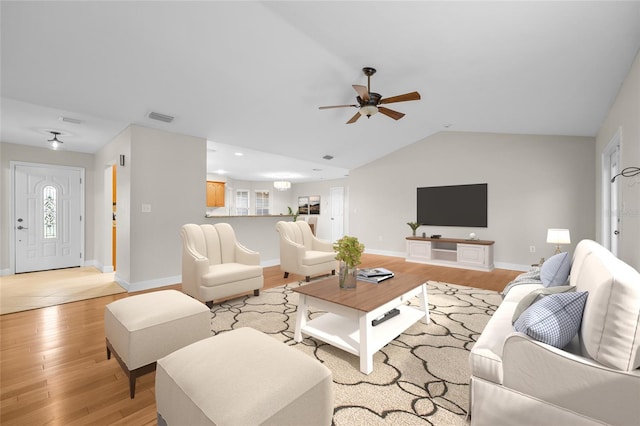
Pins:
x: 369, y: 102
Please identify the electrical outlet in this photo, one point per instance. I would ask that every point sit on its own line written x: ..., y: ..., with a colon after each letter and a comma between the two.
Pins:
x: 146, y: 208
x: 532, y: 249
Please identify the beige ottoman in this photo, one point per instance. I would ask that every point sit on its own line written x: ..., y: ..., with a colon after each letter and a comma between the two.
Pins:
x: 142, y: 329
x: 242, y: 377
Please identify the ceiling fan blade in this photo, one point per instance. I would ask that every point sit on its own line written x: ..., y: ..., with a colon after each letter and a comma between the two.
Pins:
x: 413, y: 96
x: 362, y: 91
x: 337, y: 106
x: 390, y: 113
x: 354, y: 118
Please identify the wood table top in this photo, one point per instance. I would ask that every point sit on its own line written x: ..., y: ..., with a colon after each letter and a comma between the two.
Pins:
x: 366, y: 296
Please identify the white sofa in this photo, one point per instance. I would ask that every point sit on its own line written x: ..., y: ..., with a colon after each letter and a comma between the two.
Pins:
x: 595, y: 379
x: 215, y: 265
x: 302, y: 253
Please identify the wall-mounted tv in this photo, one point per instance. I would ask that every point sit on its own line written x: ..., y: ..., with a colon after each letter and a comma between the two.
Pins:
x: 455, y: 205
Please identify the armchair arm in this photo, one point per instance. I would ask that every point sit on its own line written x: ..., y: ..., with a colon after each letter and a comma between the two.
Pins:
x: 194, y: 266
x: 570, y: 381
x: 291, y: 254
x: 246, y: 256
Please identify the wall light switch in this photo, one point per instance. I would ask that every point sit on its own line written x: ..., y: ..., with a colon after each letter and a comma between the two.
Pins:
x: 146, y: 208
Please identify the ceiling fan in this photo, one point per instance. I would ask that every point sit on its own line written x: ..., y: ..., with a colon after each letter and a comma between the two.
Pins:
x: 369, y: 102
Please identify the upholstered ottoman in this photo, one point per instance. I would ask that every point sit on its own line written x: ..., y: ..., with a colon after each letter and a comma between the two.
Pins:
x: 142, y: 329
x: 242, y: 377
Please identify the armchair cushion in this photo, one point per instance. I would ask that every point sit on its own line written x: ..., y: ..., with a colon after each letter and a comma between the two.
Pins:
x: 229, y: 272
x: 554, y: 320
x: 312, y: 257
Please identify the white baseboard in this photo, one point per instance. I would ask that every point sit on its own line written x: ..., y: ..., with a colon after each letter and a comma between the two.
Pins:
x: 386, y: 253
x: 4, y: 272
x: 512, y: 266
x: 147, y: 285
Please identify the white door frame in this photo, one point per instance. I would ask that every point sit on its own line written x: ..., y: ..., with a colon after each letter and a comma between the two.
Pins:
x: 12, y: 218
x: 607, y: 186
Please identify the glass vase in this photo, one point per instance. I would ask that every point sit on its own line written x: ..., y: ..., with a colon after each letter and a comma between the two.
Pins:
x: 347, y: 276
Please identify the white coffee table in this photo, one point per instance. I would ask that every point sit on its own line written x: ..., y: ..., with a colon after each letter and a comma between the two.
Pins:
x: 347, y: 323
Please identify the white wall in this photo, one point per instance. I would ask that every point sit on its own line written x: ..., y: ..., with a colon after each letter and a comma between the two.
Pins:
x: 624, y: 115
x: 534, y: 183
x: 31, y: 154
x: 168, y: 172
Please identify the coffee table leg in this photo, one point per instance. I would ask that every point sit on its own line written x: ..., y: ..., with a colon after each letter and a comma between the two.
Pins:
x: 301, y: 317
x: 366, y: 354
x: 424, y: 303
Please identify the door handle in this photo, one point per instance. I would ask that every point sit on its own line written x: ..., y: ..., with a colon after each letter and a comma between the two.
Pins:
x: 22, y: 227
x: 616, y: 232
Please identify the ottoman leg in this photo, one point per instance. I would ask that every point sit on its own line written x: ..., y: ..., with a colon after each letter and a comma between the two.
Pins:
x: 132, y: 385
x: 256, y: 292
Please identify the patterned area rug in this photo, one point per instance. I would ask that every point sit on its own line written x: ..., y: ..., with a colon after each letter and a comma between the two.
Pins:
x: 420, y: 378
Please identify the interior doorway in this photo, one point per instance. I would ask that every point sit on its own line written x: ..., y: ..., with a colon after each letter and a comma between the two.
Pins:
x: 337, y: 212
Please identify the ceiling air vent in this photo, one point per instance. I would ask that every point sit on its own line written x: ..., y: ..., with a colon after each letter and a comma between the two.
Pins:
x: 160, y: 117
x: 70, y: 120
x: 328, y: 157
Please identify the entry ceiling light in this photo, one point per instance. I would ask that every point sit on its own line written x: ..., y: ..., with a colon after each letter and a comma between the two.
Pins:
x: 282, y: 185
x: 55, y: 142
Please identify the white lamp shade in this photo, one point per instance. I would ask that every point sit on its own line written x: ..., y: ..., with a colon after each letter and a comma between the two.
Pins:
x: 558, y: 236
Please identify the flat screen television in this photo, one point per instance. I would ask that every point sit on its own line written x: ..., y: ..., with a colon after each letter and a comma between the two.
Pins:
x: 455, y: 205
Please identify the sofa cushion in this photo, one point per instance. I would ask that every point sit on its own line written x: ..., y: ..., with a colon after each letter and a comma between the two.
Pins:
x: 555, y: 271
x: 610, y: 333
x: 536, y: 295
x: 555, y: 319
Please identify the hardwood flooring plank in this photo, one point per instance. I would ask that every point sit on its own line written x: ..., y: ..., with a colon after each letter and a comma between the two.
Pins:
x: 54, y: 369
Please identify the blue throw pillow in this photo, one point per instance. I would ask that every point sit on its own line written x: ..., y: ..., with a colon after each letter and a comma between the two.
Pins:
x: 555, y: 271
x: 553, y: 320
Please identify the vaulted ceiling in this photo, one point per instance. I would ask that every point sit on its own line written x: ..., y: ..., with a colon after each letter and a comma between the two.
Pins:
x: 251, y: 75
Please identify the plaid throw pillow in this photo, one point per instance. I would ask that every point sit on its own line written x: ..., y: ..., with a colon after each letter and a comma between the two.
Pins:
x: 553, y: 320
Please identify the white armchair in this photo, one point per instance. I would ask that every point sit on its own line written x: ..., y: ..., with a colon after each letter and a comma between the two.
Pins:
x: 302, y: 253
x: 215, y: 265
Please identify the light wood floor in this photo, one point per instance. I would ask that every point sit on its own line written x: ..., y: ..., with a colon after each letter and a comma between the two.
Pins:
x: 54, y: 369
x: 21, y: 292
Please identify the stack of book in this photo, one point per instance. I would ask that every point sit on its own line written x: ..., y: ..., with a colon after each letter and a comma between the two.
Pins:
x: 374, y: 275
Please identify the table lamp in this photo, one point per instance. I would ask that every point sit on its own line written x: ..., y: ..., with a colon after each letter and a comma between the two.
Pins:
x: 557, y: 237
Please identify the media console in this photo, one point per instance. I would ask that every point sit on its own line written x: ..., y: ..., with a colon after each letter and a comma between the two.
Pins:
x: 456, y: 253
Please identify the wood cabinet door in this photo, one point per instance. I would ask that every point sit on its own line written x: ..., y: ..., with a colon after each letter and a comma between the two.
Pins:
x: 215, y: 194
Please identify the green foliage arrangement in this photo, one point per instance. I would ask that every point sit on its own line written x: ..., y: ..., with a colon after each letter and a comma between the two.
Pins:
x: 413, y: 226
x: 295, y: 215
x: 349, y: 250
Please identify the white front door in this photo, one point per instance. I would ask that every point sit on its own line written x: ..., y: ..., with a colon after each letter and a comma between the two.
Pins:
x: 47, y: 217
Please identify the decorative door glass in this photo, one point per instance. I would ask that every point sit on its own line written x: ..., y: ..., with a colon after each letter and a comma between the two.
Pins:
x: 50, y: 211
